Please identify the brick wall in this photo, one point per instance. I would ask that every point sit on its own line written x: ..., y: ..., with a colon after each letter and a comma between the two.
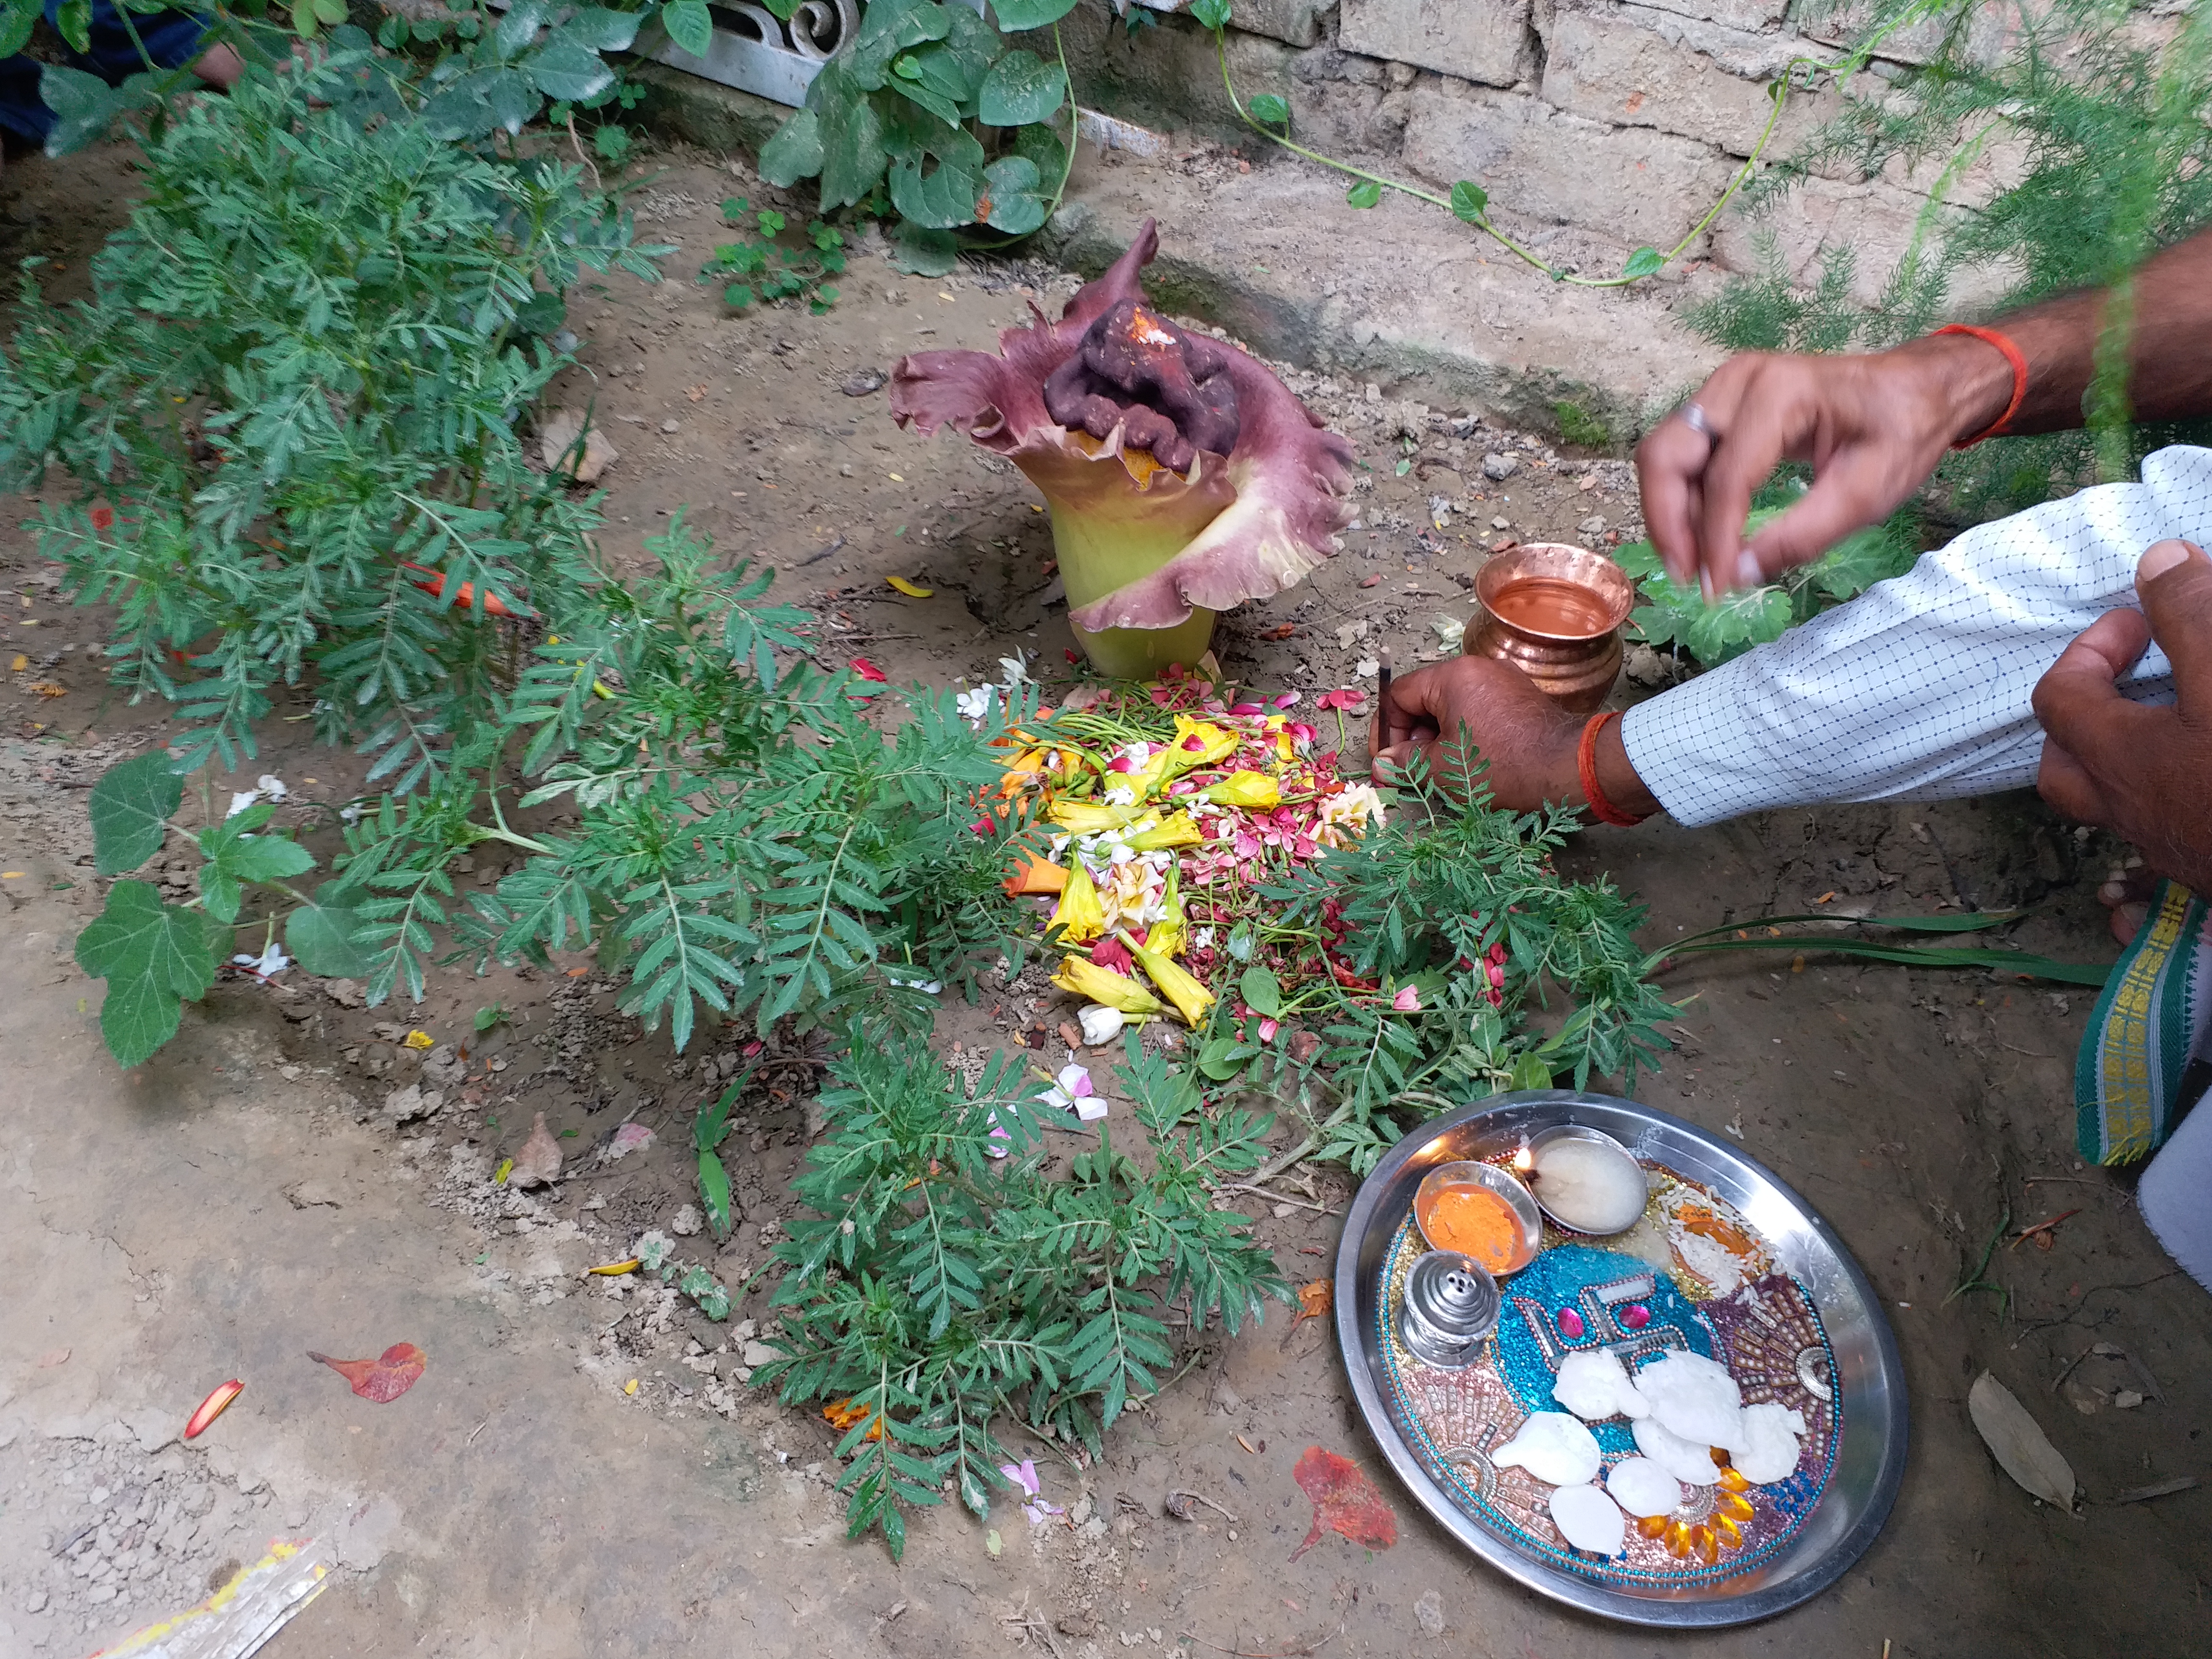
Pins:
x: 1624, y: 121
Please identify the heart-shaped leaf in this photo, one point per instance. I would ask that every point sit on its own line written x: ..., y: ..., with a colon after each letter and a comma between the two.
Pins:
x: 1263, y: 992
x: 795, y: 152
x: 1021, y: 87
x: 320, y: 935
x: 1016, y: 195
x: 689, y: 25
x: 153, y: 955
x: 130, y: 807
x: 561, y: 69
x: 1018, y: 14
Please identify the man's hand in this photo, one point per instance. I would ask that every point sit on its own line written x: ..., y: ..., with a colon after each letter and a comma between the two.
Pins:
x: 1525, y: 742
x: 1871, y: 428
x: 2145, y: 772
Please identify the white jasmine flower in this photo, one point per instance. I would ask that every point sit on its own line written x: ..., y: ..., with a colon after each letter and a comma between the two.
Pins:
x: 269, y: 963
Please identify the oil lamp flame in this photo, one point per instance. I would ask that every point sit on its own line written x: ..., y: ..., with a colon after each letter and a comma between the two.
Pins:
x: 1523, y: 1160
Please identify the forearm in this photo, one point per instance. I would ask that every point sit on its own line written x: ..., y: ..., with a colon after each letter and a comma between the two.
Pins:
x: 1921, y: 687
x: 2169, y: 351
x: 1624, y: 787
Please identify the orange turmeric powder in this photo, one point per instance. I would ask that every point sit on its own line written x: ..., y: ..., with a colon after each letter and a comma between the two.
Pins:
x: 1474, y: 1221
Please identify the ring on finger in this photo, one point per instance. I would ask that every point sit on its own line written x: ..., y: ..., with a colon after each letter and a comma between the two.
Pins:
x: 1694, y: 417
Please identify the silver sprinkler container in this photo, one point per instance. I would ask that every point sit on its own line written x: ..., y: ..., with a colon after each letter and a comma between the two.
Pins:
x: 1451, y: 1305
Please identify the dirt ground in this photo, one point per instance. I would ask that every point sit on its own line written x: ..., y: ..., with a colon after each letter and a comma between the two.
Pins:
x: 247, y: 1195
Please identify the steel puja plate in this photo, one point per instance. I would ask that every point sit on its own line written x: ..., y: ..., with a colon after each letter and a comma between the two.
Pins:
x: 1866, y: 1459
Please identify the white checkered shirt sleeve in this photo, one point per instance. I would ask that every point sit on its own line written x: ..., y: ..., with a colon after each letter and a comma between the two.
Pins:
x: 1919, y: 688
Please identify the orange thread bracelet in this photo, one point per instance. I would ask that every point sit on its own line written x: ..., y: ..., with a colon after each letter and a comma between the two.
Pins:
x: 1586, y: 764
x: 2014, y: 355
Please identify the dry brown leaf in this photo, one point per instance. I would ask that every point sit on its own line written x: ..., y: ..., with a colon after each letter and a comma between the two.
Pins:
x: 538, y: 1163
x: 48, y: 689
x: 2021, y: 1446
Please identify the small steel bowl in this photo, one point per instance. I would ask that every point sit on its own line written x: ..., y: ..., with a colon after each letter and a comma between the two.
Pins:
x: 1498, y: 1180
x: 1595, y: 1137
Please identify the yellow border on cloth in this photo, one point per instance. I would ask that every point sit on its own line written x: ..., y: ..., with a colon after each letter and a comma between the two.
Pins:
x: 280, y: 1579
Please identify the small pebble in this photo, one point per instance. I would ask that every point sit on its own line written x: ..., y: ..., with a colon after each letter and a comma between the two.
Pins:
x: 1429, y: 1612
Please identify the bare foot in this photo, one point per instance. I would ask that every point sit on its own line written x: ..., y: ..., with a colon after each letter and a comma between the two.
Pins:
x: 2127, y: 893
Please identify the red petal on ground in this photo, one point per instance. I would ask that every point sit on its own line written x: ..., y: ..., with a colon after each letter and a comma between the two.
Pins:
x: 868, y: 670
x: 383, y: 1378
x: 1345, y: 1501
x: 1111, y: 955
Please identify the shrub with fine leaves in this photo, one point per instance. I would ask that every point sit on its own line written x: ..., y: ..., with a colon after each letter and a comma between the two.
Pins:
x: 936, y: 1285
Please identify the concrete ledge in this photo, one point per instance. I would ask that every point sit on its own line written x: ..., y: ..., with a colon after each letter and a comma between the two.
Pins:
x: 1402, y: 295
x: 703, y: 112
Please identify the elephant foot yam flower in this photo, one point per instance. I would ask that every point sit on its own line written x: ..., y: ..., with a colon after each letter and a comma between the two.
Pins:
x: 1169, y: 392
x: 1182, y: 476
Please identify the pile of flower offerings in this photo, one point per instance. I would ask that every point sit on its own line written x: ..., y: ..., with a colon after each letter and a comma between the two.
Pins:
x: 1166, y: 811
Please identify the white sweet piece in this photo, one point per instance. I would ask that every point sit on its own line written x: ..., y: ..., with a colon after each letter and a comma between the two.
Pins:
x: 1642, y: 1487
x: 1553, y: 1447
x: 1769, y: 1449
x: 1694, y: 1398
x: 1588, y: 1520
x: 1685, y: 1460
x: 1594, y: 1385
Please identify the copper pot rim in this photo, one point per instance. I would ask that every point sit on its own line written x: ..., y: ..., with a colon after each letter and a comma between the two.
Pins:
x: 1563, y: 561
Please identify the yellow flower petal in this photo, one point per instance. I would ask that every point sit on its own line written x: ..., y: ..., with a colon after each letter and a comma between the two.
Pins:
x: 1216, y: 742
x: 419, y: 1040
x: 1190, y: 998
x: 1084, y: 817
x: 1103, y: 985
x: 1170, y: 932
x: 1078, y: 914
x: 1177, y: 831
x: 910, y: 589
x: 1243, y: 789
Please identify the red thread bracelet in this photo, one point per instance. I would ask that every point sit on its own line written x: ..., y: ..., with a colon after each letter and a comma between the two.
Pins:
x: 1594, y: 792
x: 2014, y: 355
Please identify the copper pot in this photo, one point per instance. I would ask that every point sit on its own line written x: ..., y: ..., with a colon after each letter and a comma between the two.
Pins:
x: 1554, y: 612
